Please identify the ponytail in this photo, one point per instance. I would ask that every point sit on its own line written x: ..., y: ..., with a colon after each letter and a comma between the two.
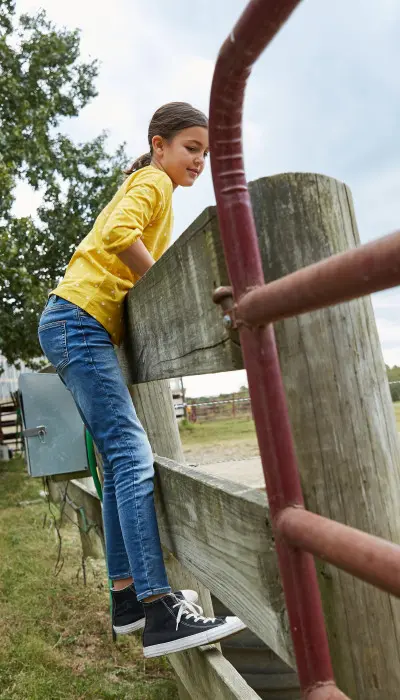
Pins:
x: 139, y: 163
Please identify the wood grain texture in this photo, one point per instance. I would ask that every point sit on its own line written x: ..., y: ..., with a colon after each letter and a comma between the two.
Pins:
x: 183, y: 693
x: 342, y: 419
x: 155, y: 409
x: 260, y: 666
x: 173, y: 326
x: 89, y: 520
x: 206, y: 674
x: 220, y: 531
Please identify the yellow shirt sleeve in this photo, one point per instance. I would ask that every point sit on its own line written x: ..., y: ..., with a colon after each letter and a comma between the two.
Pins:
x: 139, y: 206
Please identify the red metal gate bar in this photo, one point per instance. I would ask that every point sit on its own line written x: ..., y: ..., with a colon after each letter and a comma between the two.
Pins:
x: 257, y: 26
x: 369, y: 268
x: 370, y: 558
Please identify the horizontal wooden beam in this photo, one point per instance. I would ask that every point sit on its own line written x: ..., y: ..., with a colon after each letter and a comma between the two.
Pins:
x: 220, y: 531
x: 173, y: 328
x: 205, y: 673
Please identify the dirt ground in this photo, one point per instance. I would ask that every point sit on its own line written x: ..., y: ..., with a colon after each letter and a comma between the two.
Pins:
x: 232, y: 451
x: 216, y: 441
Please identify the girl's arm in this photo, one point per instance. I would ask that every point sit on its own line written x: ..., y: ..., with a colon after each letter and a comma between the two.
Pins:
x: 137, y: 258
x: 124, y: 228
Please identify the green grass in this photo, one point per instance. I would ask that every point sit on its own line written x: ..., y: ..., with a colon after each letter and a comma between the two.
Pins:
x: 220, y: 430
x: 55, y: 640
x: 216, y: 431
x: 396, y: 407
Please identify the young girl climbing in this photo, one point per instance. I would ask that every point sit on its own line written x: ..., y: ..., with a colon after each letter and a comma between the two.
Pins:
x: 78, y: 329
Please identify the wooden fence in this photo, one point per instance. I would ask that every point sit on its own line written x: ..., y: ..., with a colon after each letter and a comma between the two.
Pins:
x: 10, y: 424
x: 216, y: 534
x: 236, y: 406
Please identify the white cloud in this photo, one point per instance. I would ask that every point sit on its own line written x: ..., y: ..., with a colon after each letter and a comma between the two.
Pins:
x: 387, y: 300
x: 191, y: 74
x: 376, y: 195
x: 27, y: 200
x: 392, y: 356
x: 389, y: 333
x: 215, y: 384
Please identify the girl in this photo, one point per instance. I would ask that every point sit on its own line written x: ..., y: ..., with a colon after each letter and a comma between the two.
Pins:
x: 77, y: 330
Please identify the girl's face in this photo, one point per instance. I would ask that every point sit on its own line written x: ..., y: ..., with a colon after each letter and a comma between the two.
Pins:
x: 183, y: 158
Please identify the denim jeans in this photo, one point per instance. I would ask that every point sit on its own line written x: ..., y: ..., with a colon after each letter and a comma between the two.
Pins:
x: 81, y: 350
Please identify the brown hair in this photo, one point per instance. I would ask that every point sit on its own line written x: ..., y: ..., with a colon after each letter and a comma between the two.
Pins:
x: 168, y: 121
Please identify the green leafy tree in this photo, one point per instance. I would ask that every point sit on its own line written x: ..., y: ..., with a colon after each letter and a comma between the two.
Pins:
x: 42, y: 82
x: 395, y: 392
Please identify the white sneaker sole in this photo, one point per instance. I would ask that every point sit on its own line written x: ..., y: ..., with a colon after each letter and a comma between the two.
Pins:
x: 133, y: 627
x: 191, y: 596
x: 232, y: 626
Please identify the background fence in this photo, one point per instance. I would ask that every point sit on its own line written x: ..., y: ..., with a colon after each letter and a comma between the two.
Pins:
x: 236, y: 406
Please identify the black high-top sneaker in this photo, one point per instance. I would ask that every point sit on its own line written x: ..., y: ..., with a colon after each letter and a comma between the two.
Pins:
x: 128, y: 612
x: 174, y: 624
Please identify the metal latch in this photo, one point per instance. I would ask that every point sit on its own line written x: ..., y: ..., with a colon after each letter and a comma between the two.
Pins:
x: 39, y: 432
x: 224, y: 297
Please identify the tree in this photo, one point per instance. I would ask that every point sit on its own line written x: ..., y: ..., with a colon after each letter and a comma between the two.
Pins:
x: 42, y: 81
x: 395, y: 392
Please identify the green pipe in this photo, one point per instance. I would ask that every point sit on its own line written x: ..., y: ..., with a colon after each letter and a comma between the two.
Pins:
x: 93, y: 471
x: 92, y: 464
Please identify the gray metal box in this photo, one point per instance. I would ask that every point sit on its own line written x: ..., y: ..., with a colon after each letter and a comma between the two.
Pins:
x: 54, y: 433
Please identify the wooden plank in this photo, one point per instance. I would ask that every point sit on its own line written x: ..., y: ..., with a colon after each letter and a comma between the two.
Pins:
x: 90, y: 519
x: 155, y: 409
x: 173, y: 326
x: 203, y: 673
x: 209, y: 675
x: 220, y: 531
x: 56, y: 490
x: 249, y: 655
x: 183, y: 693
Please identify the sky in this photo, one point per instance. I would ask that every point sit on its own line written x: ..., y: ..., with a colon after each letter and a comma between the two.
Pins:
x: 324, y: 97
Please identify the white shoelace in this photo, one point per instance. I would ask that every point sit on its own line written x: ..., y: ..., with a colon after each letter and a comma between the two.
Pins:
x: 190, y: 610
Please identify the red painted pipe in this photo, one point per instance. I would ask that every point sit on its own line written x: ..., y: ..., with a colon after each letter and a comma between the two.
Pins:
x: 257, y: 26
x: 369, y: 268
x: 370, y: 558
x: 325, y: 692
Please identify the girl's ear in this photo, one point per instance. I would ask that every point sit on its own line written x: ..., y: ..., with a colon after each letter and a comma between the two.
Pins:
x: 158, y: 145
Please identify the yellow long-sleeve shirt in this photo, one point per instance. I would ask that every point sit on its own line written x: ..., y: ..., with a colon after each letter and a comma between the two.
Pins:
x: 96, y: 279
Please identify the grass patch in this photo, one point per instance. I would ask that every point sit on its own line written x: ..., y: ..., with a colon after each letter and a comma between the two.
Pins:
x: 55, y: 639
x: 396, y: 407
x: 216, y: 431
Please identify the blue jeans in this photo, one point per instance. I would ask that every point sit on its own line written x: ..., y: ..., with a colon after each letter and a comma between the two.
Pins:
x: 81, y: 350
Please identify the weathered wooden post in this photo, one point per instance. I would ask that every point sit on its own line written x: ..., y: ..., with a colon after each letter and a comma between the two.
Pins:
x: 342, y: 419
